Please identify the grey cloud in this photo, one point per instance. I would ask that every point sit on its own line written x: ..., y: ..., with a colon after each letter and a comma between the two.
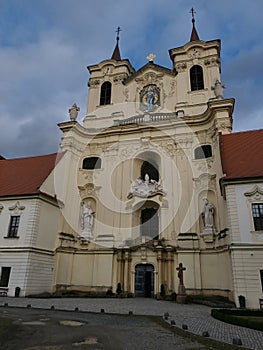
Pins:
x: 42, y: 78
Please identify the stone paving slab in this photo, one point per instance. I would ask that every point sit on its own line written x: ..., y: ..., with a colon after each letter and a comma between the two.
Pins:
x: 196, y: 317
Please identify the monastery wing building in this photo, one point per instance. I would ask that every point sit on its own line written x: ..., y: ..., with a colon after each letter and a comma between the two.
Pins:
x: 152, y: 184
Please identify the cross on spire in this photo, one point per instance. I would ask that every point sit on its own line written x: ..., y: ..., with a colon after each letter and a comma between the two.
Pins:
x: 118, y: 33
x: 116, y: 53
x: 193, y: 14
x: 194, y: 35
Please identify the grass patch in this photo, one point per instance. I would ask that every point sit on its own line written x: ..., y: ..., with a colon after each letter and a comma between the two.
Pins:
x: 246, y: 318
x: 217, y: 301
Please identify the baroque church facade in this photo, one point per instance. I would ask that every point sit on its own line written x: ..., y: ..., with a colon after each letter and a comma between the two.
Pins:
x: 142, y: 185
x: 144, y: 159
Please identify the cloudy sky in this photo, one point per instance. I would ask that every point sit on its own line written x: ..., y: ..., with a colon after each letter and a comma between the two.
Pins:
x: 46, y: 45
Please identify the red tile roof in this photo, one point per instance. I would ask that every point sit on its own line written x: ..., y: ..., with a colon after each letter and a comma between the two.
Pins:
x: 242, y: 154
x: 25, y: 175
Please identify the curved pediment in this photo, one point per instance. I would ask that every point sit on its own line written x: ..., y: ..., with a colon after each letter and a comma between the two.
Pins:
x: 150, y: 72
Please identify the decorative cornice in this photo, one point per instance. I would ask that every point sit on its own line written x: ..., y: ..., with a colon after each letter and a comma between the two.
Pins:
x: 255, y: 194
x: 17, y: 208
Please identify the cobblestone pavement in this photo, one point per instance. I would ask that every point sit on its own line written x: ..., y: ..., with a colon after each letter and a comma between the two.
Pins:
x: 196, y: 317
x: 36, y: 329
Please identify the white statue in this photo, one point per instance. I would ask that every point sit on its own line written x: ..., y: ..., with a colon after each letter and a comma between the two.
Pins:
x: 87, y: 221
x: 146, y: 179
x: 73, y: 112
x: 208, y: 213
x: 218, y: 89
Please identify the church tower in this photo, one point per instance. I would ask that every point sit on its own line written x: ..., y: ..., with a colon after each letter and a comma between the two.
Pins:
x: 197, y: 64
x: 105, y: 83
x: 141, y: 186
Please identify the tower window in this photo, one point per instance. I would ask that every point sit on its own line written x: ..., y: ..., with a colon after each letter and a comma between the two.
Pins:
x: 105, y: 93
x: 196, y: 78
x: 203, y: 152
x: 257, y: 212
x: 13, y: 226
x: 91, y: 163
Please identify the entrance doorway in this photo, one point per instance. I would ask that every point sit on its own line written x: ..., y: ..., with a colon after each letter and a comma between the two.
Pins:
x: 144, y: 280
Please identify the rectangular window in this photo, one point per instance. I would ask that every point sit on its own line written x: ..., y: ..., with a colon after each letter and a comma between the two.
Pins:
x: 13, y: 226
x: 5, y: 274
x: 261, y: 277
x: 257, y: 212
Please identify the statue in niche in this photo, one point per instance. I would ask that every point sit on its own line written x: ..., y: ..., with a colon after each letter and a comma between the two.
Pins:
x: 218, y: 90
x: 87, y: 221
x: 208, y: 213
x: 73, y: 112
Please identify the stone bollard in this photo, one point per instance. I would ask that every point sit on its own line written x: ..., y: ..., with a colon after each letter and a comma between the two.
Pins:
x: 237, y: 341
x: 166, y: 315
x: 205, y: 334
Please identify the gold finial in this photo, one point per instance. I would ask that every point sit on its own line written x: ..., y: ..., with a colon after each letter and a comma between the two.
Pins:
x: 151, y: 57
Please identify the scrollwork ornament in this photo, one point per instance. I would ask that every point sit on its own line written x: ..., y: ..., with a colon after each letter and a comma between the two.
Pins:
x: 93, y: 83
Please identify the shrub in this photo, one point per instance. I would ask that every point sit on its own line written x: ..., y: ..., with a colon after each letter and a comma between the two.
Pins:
x: 245, y: 318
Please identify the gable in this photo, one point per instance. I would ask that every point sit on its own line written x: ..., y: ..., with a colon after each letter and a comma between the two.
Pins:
x: 152, y: 70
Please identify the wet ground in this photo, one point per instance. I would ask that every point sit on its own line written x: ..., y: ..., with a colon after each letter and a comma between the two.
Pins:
x: 32, y: 329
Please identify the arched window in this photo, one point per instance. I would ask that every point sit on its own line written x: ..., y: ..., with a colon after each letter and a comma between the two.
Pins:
x: 151, y: 170
x: 105, y: 93
x: 149, y: 222
x: 202, y: 152
x: 91, y: 163
x: 196, y: 78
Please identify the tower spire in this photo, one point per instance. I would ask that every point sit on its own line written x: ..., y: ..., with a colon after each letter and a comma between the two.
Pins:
x: 194, y: 35
x: 116, y: 53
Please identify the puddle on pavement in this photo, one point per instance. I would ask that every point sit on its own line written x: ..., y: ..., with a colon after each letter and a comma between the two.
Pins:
x: 71, y: 323
x: 87, y: 341
x: 33, y: 323
x: 47, y: 347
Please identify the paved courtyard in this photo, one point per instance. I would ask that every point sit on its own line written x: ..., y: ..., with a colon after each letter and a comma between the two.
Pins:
x: 196, y: 317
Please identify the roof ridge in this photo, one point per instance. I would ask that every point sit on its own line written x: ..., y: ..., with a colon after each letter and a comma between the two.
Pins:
x: 243, y: 132
x: 30, y: 157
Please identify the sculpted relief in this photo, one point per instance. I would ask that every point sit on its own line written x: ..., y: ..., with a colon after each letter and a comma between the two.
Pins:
x: 146, y: 188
